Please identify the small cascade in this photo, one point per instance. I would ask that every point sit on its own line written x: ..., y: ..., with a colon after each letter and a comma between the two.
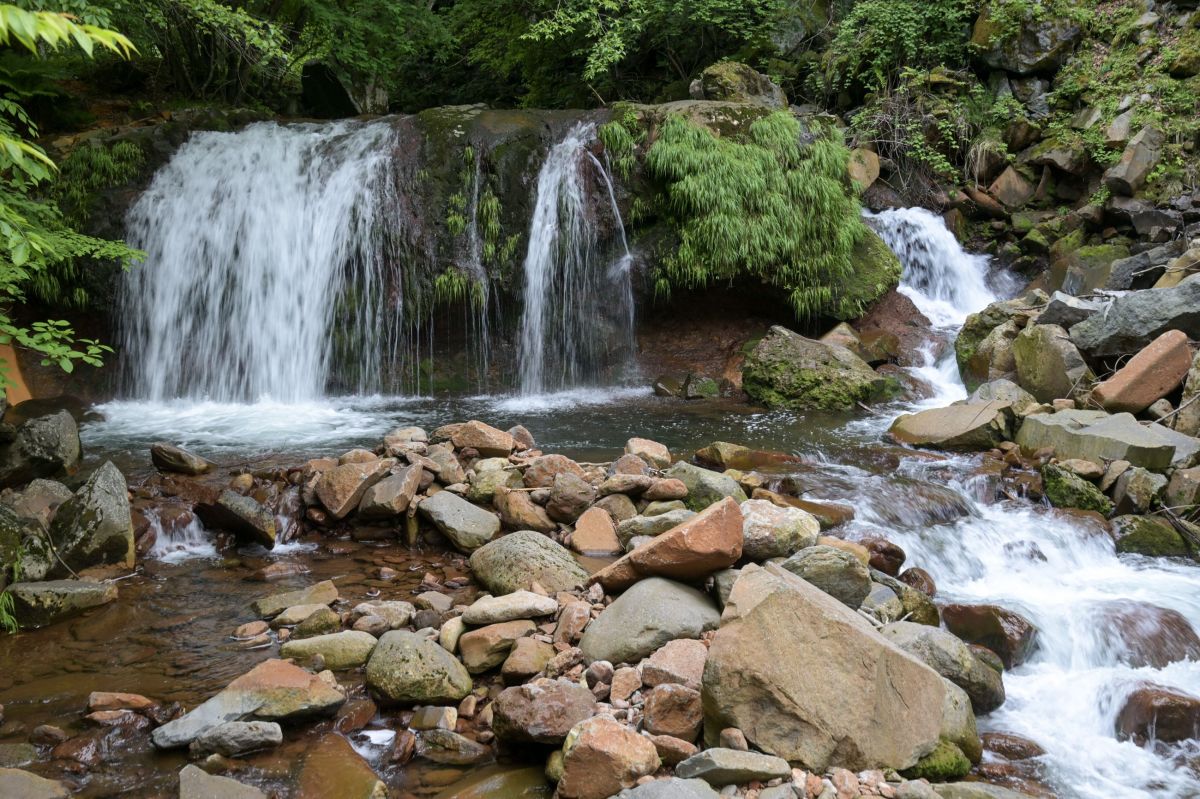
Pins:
x: 267, y: 267
x: 578, y: 295
x: 178, y: 544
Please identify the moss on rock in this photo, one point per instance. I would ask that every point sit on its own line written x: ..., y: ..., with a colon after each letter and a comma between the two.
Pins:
x: 1147, y: 535
x: 946, y: 762
x: 1067, y: 490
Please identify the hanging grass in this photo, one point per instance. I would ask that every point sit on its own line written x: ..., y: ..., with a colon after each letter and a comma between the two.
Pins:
x: 770, y: 205
x: 454, y: 287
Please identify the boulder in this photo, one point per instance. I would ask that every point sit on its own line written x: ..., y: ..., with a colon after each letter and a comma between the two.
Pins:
x: 347, y: 649
x: 1048, y: 364
x: 196, y: 783
x: 721, y: 767
x: 341, y: 488
x: 1141, y: 270
x: 45, y: 446
x: 983, y: 347
x: 705, y: 486
x: 331, y: 767
x: 1065, y: 489
x: 38, y: 501
x: 484, y: 439
x: 595, y: 534
x: 236, y: 738
x: 243, y: 516
x: 518, y: 511
x: 274, y: 690
x: 1138, y: 490
x: 734, y: 82
x: 673, y: 788
x: 94, y: 526
x: 1139, y: 157
x: 654, y: 453
x: 43, y: 603
x: 770, y: 531
x: 968, y: 427
x: 1007, y: 633
x: 467, y: 526
x: 569, y: 498
x: 958, y: 722
x: 770, y: 674
x: 541, y: 712
x: 673, y: 710
x: 509, y: 607
x: 1140, y: 634
x: 650, y: 526
x: 787, y: 370
x: 945, y: 762
x: 1011, y: 188
x: 1096, y: 436
x: 392, y: 495
x: 601, y: 756
x: 20, y: 784
x: 541, y: 471
x: 1134, y: 320
x: 1066, y: 311
x: 410, y: 669
x: 488, y: 647
x: 651, y: 613
x: 707, y: 542
x: 946, y: 654
x: 864, y: 167
x: 677, y: 662
x: 1004, y: 391
x: 1040, y: 46
x: 518, y: 560
x: 321, y: 593
x: 835, y: 571
x: 1152, y: 374
x: 170, y: 458
x: 1148, y: 535
x: 1158, y: 713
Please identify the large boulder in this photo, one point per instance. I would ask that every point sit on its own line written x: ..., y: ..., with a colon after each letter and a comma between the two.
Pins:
x: 734, y: 82
x: 644, y: 618
x: 1065, y: 489
x: 787, y: 370
x: 347, y: 649
x: 704, y: 486
x: 833, y: 570
x: 46, y: 446
x: 601, y: 756
x: 243, y: 516
x: 770, y: 531
x: 392, y: 495
x: 94, y: 526
x: 541, y: 712
x: 946, y: 654
x: 1148, y: 535
x: 43, y: 603
x: 1134, y: 320
x: 24, y: 551
x: 518, y: 560
x: 1152, y: 374
x: 1048, y: 364
x: 170, y: 458
x: 408, y: 668
x: 983, y: 347
x: 808, y: 680
x: 1039, y: 45
x: 341, y: 488
x: 1140, y: 156
x: 274, y: 690
x: 467, y: 526
x: 1096, y: 436
x: 705, y: 543
x: 968, y: 427
x: 1140, y: 634
x: 1156, y: 712
x: 1007, y: 633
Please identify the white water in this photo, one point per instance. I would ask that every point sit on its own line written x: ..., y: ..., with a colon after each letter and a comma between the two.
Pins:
x: 265, y: 271
x: 578, y: 297
x: 1067, y: 695
x: 177, y: 546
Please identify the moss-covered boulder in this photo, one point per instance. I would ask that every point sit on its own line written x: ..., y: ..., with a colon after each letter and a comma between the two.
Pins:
x: 1066, y: 489
x: 946, y: 762
x: 1148, y: 535
x: 787, y: 370
x: 732, y: 81
x: 1186, y: 60
x: 1028, y: 45
x: 875, y: 272
x: 983, y: 347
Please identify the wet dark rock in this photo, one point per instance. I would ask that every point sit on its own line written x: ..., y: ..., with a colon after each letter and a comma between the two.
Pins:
x: 1155, y: 712
x: 1010, y: 746
x: 919, y: 579
x: 885, y: 555
x: 542, y: 712
x: 40, y: 604
x: 94, y: 526
x: 170, y: 458
x: 1010, y: 635
x: 46, y: 446
x: 1141, y: 634
x: 243, y: 516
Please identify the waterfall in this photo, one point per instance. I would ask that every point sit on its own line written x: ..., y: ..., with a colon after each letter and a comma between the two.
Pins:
x: 266, y: 265
x: 578, y: 296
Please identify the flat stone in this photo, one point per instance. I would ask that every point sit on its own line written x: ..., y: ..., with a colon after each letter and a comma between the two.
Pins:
x: 968, y: 427
x: 489, y: 646
x: 40, y: 604
x: 1096, y: 436
x: 729, y: 767
x: 347, y: 649
x: 109, y: 700
x: 1152, y: 374
x: 297, y: 614
x: 603, y: 756
x: 644, y: 618
x: 236, y: 738
x: 274, y: 690
x: 467, y: 526
x: 322, y: 593
x: 509, y: 607
x: 196, y: 783
x: 672, y: 787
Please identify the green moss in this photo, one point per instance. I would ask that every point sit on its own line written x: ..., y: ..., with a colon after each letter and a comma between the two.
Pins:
x: 1147, y: 535
x: 876, y: 271
x: 1067, y: 490
x: 945, y: 763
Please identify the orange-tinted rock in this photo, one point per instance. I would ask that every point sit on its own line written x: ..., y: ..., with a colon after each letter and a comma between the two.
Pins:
x: 519, y: 512
x: 652, y: 452
x: 485, y: 439
x: 606, y: 758
x: 1011, y: 747
x: 595, y: 534
x: 673, y: 710
x: 680, y: 661
x: 673, y: 751
x: 666, y: 489
x: 919, y: 579
x: 884, y: 555
x: 829, y: 514
x: 106, y: 700
x: 1011, y: 189
x: 709, y: 541
x: 541, y: 471
x: 542, y: 711
x: 1150, y: 375
x: 341, y: 488
x: 1010, y: 635
x: 1155, y: 711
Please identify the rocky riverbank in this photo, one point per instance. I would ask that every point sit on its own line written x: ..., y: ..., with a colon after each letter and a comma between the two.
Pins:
x: 652, y: 625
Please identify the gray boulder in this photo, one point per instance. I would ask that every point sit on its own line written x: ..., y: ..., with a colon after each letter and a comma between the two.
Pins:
x: 94, y: 526
x: 946, y: 654
x: 650, y: 526
x: 236, y: 738
x: 196, y: 783
x: 719, y: 766
x: 705, y: 486
x: 46, y: 446
x: 467, y: 526
x: 1137, y: 271
x: 515, y: 561
x: 170, y: 458
x: 644, y: 618
x: 1097, y: 436
x: 1048, y: 364
x: 243, y: 516
x: 834, y: 571
x: 1039, y: 46
x: 408, y: 668
x: 1067, y: 311
x: 347, y: 649
x: 1140, y: 156
x: 1134, y: 320
x: 40, y: 604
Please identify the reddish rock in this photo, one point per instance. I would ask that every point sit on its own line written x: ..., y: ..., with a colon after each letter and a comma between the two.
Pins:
x: 919, y: 579
x: 1011, y: 189
x: 654, y: 453
x: 106, y: 700
x: 541, y: 471
x: 485, y: 439
x: 1010, y: 635
x: 709, y: 541
x: 606, y: 758
x: 489, y: 646
x: 1011, y: 747
x: 629, y: 464
x: 680, y: 661
x: 829, y: 514
x: 354, y: 715
x: 118, y: 718
x: 341, y: 489
x: 1147, y: 635
x: 542, y: 711
x: 666, y: 489
x: 884, y: 555
x: 571, y: 621
x: 519, y: 512
x: 673, y: 710
x: 595, y: 534
x: 625, y: 683
x: 1150, y: 375
x: 894, y: 327
x: 1159, y: 713
x: 672, y: 751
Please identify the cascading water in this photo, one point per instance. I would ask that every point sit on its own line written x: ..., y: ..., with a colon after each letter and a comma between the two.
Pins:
x: 266, y: 265
x: 578, y: 296
x: 1090, y: 605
